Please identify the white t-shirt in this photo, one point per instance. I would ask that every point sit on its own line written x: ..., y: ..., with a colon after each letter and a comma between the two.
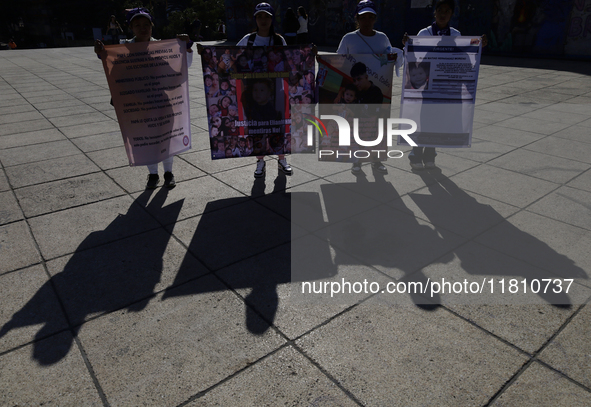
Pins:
x: 258, y: 41
x: 357, y: 43
x: 429, y: 31
x: 303, y: 25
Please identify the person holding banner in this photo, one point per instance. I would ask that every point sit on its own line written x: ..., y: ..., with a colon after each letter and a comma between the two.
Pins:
x: 424, y: 157
x: 264, y: 36
x: 141, y: 22
x: 366, y: 40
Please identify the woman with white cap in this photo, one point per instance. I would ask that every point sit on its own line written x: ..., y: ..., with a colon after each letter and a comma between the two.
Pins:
x: 263, y: 36
x: 366, y: 40
x: 424, y: 157
x: 140, y: 21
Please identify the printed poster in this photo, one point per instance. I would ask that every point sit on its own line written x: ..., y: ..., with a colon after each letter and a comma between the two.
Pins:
x: 439, y: 89
x: 250, y: 93
x: 150, y: 92
x: 358, y: 88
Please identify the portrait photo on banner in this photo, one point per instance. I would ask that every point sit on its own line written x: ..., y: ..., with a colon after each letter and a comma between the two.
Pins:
x: 354, y: 86
x: 439, y: 89
x: 250, y: 93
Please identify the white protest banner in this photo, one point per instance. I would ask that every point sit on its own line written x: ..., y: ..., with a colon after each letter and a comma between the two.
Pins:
x: 150, y: 91
x: 439, y: 89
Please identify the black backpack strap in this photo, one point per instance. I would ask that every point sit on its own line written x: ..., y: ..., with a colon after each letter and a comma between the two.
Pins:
x: 251, y: 39
x: 277, y: 40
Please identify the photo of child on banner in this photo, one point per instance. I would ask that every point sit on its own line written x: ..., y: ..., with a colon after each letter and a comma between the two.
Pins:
x: 354, y: 86
x: 439, y: 90
x: 252, y: 94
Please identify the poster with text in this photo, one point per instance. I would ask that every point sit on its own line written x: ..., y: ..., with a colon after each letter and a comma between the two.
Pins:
x: 439, y: 89
x: 250, y: 92
x: 149, y: 88
x: 357, y: 88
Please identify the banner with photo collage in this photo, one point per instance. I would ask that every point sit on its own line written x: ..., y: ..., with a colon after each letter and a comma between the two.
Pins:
x: 353, y: 86
x: 250, y: 93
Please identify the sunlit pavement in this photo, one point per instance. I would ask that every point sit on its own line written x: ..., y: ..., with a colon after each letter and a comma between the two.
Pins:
x: 113, y: 295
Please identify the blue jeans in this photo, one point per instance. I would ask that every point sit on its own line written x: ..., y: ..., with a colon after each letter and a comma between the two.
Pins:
x: 422, y: 155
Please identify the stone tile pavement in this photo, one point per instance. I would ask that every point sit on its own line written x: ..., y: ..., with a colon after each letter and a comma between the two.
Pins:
x: 115, y: 296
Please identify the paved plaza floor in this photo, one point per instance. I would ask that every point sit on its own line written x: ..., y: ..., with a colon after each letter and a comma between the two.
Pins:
x: 111, y: 295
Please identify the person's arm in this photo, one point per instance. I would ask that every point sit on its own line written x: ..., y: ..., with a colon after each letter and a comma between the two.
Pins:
x: 342, y: 49
x: 343, y: 46
x: 339, y: 95
x: 99, y: 48
x: 484, y: 40
x: 399, y: 59
x: 243, y: 42
x: 185, y: 38
x: 423, y: 32
x: 282, y: 40
x: 404, y: 39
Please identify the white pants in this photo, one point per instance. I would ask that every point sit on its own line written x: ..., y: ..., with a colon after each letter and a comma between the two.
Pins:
x: 167, y: 164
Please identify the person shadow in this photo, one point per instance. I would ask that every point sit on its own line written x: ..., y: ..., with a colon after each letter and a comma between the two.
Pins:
x: 366, y: 230
x: 453, y: 211
x: 248, y: 244
x: 99, y: 277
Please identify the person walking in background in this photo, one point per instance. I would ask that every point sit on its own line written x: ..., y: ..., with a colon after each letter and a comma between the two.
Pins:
x: 303, y: 31
x: 291, y: 25
x: 114, y: 29
x: 194, y: 29
x: 141, y: 22
x: 221, y: 28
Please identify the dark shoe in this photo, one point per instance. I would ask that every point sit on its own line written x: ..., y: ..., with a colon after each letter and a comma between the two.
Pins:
x: 153, y: 180
x: 356, y: 168
x: 379, y: 167
x: 430, y: 165
x: 260, y: 171
x: 169, y: 181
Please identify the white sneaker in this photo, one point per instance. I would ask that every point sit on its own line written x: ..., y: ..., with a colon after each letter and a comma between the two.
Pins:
x: 430, y: 165
x: 284, y: 166
x: 417, y: 166
x: 260, y: 171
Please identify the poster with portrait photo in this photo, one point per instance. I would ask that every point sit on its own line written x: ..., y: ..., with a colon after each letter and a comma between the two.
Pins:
x: 354, y: 86
x: 250, y: 93
x: 439, y: 92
